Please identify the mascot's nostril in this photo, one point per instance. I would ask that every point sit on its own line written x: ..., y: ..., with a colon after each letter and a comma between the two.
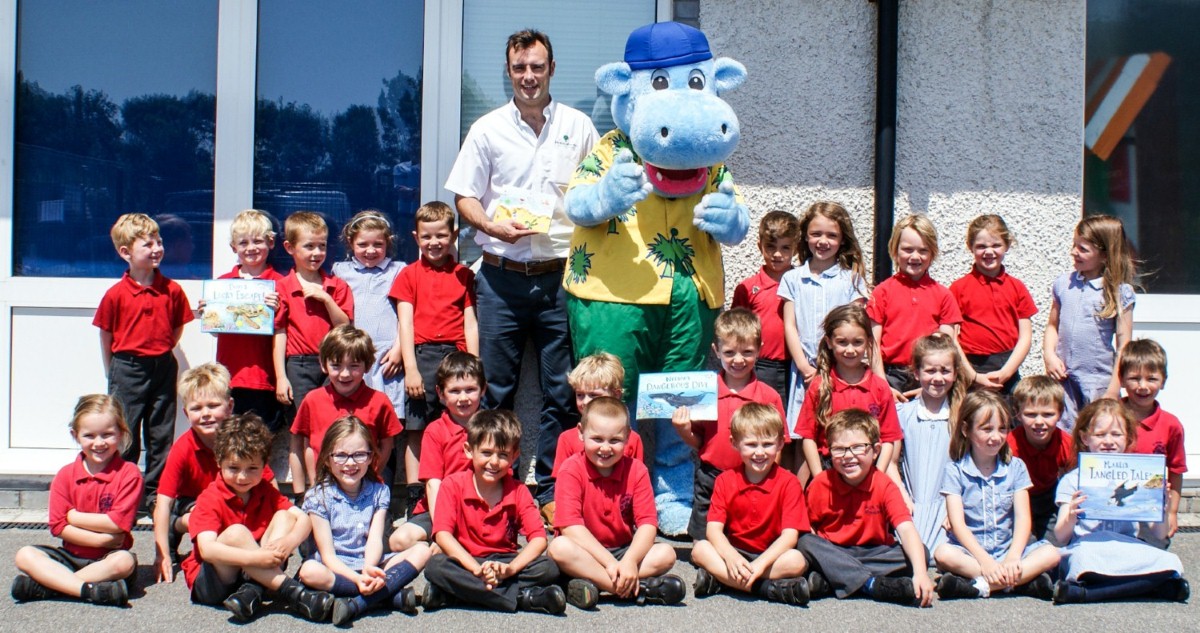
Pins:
x: 665, y: 132
x: 724, y: 129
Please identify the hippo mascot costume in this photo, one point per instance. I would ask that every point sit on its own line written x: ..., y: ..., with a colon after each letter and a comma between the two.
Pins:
x: 652, y: 204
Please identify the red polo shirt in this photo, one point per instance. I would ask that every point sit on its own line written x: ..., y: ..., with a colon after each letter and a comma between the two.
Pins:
x: 569, y: 445
x: 218, y: 507
x: 908, y: 310
x: 991, y: 308
x: 248, y: 356
x: 1162, y: 434
x: 1047, y: 464
x: 191, y: 467
x: 306, y: 321
x: 864, y: 515
x: 322, y: 406
x: 438, y: 295
x: 871, y: 394
x: 115, y: 491
x: 759, y: 294
x: 716, y: 444
x: 755, y: 515
x: 143, y: 319
x: 484, y: 530
x: 612, y: 508
x: 442, y: 453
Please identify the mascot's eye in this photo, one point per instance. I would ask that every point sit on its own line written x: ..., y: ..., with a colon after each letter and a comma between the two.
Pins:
x: 696, y: 80
x: 660, y: 82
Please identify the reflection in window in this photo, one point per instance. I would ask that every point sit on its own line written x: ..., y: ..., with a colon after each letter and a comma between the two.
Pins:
x: 115, y: 113
x: 337, y: 125
x: 1142, y: 139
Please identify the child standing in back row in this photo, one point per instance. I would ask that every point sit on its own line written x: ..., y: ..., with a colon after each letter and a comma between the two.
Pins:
x: 777, y: 236
x: 996, y: 308
x: 1092, y: 315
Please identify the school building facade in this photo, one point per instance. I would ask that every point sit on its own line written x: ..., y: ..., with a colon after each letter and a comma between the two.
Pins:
x: 191, y: 111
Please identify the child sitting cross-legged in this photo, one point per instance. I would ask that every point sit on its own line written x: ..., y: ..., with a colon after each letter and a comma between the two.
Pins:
x: 756, y: 516
x: 606, y: 515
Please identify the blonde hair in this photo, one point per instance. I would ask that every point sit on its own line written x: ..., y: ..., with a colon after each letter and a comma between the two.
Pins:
x: 102, y: 404
x: 850, y: 420
x: 251, y: 223
x: 942, y: 343
x: 849, y: 255
x: 757, y: 419
x: 367, y: 220
x: 1092, y: 412
x: 607, y: 407
x: 435, y: 211
x: 849, y: 314
x: 301, y: 221
x: 1035, y: 390
x: 1107, y: 234
x: 923, y: 227
x: 993, y: 224
x: 601, y: 370
x: 129, y: 227
x: 738, y: 324
x: 977, y: 407
x: 209, y: 378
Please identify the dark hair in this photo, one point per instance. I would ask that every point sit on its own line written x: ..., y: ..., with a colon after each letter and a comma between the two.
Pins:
x: 849, y: 420
x: 242, y: 437
x: 460, y: 365
x: 526, y: 38
x: 501, y: 426
x: 346, y: 341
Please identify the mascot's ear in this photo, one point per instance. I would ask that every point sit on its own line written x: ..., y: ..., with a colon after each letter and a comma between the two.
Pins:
x: 727, y: 74
x: 614, y: 78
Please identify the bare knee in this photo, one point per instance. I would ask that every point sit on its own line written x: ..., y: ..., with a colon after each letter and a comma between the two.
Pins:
x: 659, y: 560
x: 312, y: 573
x: 236, y: 535
x: 418, y: 555
x: 27, y: 557
x: 562, y: 549
x: 405, y: 538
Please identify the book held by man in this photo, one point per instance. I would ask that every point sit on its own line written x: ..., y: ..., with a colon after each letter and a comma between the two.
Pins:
x: 1122, y: 486
x: 660, y: 394
x: 237, y: 306
x: 532, y: 209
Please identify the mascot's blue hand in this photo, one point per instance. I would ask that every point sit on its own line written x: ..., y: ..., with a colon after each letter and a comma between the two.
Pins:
x: 621, y: 187
x: 721, y: 216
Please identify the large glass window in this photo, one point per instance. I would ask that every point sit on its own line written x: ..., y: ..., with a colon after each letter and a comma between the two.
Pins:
x: 337, y: 127
x: 115, y: 113
x: 1142, y: 138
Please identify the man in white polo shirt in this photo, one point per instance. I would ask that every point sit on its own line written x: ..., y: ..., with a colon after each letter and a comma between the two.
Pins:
x: 526, y: 150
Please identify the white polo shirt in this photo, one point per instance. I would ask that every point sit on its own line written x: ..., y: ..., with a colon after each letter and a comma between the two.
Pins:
x: 502, y: 151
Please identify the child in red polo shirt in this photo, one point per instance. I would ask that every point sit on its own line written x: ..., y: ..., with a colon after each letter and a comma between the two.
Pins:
x: 595, y: 376
x: 909, y: 304
x: 853, y: 510
x: 479, y: 515
x: 996, y: 308
x: 93, y: 499
x: 346, y: 354
x: 141, y: 319
x: 435, y: 306
x: 248, y: 356
x: 311, y: 302
x: 1047, y: 450
x: 844, y: 381
x: 460, y: 385
x: 607, y: 518
x: 778, y: 233
x: 756, y: 518
x: 738, y: 336
x: 191, y: 465
x: 1143, y: 373
x: 243, y: 527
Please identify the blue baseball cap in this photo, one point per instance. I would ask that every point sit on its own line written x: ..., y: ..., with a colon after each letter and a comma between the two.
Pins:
x: 665, y: 44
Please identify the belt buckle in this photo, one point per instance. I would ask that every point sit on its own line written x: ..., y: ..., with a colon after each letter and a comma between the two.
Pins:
x: 527, y: 267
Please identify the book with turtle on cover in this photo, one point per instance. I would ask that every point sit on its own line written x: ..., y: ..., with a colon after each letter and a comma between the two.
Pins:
x: 237, y: 306
x: 528, y: 207
x: 1122, y: 486
x: 660, y: 394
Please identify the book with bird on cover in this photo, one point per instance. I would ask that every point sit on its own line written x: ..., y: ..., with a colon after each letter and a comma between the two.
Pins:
x: 1122, y: 486
x: 237, y: 306
x: 660, y: 394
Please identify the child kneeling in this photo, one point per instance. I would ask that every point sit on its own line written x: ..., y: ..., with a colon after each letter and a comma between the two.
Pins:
x: 604, y: 510
x: 476, y: 521
x: 756, y: 516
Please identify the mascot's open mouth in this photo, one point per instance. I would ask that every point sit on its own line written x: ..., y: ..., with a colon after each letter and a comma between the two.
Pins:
x: 676, y: 183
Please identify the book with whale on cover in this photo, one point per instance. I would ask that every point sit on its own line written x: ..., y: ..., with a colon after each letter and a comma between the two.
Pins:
x: 660, y: 394
x: 1122, y: 486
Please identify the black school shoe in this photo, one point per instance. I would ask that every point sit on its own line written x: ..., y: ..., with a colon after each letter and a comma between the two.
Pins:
x: 26, y: 589
x: 1041, y: 588
x: 1067, y: 592
x: 112, y: 593
x: 550, y: 600
x: 435, y: 598
x: 405, y: 601
x: 582, y: 593
x: 785, y: 590
x: 952, y: 587
x: 705, y: 584
x: 1175, y: 590
x: 312, y: 605
x: 246, y: 603
x: 895, y: 590
x: 665, y: 589
x: 818, y: 585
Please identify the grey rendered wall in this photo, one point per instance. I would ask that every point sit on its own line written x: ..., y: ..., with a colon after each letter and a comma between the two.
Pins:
x: 990, y: 120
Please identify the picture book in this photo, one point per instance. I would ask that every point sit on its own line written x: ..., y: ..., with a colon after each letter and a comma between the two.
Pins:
x: 237, y: 306
x: 660, y: 394
x: 528, y: 207
x: 1122, y: 486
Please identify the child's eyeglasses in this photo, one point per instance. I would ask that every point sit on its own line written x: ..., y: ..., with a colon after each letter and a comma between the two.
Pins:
x: 842, y: 451
x: 358, y: 458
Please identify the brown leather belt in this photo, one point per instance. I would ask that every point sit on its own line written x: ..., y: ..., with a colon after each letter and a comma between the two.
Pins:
x: 526, y: 268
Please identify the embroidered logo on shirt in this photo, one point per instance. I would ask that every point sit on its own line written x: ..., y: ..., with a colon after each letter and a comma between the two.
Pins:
x: 627, y: 508
x: 106, y: 502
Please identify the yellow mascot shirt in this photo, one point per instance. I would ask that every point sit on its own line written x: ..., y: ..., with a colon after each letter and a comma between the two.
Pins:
x: 643, y: 250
